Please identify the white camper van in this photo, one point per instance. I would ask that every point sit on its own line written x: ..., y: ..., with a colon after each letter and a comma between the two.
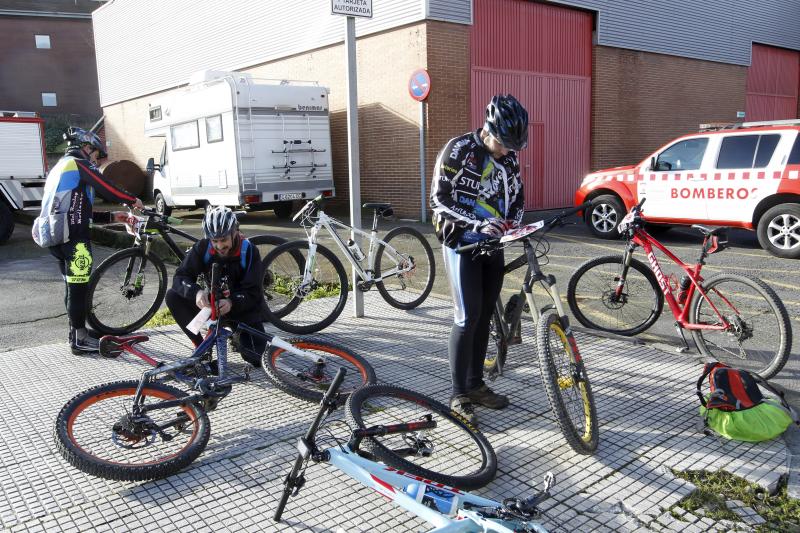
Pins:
x: 234, y: 140
x: 23, y: 166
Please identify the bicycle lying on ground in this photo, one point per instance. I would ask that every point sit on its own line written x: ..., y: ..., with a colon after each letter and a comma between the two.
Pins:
x: 309, y: 284
x: 128, y: 287
x: 560, y: 363
x: 420, y: 430
x: 734, y: 318
x: 129, y: 430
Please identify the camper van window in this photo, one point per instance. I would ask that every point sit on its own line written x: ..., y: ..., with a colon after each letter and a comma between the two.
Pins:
x: 185, y: 136
x: 214, y: 129
x: 155, y: 113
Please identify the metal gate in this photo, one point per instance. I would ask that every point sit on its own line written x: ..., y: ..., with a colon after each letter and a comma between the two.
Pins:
x: 772, y: 83
x: 542, y: 55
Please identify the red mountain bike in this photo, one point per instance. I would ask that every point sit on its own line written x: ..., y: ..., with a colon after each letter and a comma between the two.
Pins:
x: 734, y: 318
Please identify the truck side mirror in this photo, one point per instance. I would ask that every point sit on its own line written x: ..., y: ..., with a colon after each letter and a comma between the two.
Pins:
x: 152, y: 167
x: 653, y: 163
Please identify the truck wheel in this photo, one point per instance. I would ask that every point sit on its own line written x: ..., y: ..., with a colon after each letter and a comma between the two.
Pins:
x: 6, y: 222
x: 779, y: 231
x: 161, y: 205
x: 283, y: 210
x: 603, y: 217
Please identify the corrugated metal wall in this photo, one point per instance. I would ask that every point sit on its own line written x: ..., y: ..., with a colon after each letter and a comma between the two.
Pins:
x: 772, y: 83
x: 542, y: 55
x: 175, y: 38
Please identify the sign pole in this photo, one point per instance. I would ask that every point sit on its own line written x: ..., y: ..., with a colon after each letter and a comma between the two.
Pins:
x: 424, y: 205
x: 352, y: 151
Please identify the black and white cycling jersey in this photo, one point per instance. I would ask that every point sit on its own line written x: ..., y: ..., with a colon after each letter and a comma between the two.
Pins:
x: 470, y: 186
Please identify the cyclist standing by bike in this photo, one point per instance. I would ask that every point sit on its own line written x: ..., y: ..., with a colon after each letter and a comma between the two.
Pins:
x: 63, y: 224
x: 476, y: 194
x: 241, y: 278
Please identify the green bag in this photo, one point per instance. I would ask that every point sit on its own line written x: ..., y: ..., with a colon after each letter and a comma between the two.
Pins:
x: 765, y: 421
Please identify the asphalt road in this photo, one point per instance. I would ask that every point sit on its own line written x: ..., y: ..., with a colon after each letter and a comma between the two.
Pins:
x: 33, y: 311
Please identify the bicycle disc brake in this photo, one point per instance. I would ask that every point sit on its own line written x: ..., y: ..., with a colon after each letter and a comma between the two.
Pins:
x: 421, y: 446
x: 132, y: 432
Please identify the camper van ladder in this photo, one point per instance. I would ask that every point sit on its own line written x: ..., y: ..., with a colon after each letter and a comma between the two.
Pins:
x: 252, y: 155
x: 289, y: 148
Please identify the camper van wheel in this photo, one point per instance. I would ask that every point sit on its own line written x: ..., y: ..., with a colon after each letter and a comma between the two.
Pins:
x: 161, y: 205
x: 6, y: 222
x: 283, y: 210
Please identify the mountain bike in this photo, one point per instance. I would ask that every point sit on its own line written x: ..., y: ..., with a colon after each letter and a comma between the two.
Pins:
x: 137, y: 430
x: 425, y: 432
x: 733, y: 318
x: 128, y: 287
x: 562, y: 368
x: 308, y: 283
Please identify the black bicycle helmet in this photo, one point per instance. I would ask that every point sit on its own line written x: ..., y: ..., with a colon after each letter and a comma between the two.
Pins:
x: 507, y: 121
x: 219, y: 222
x: 78, y: 137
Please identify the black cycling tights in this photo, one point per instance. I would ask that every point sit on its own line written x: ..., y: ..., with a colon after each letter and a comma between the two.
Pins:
x: 475, y: 283
x: 75, y: 263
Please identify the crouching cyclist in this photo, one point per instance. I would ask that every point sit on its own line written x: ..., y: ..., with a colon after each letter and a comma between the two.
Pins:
x: 241, y: 277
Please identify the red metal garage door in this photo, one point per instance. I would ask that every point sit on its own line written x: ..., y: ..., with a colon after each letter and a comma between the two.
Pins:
x: 542, y: 55
x: 772, y: 83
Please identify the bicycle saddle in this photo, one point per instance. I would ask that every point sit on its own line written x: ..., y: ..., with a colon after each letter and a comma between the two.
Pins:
x: 710, y: 231
x: 111, y: 346
x: 377, y: 205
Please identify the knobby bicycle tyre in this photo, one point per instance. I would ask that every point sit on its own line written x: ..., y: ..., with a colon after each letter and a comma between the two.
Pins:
x: 308, y: 380
x: 265, y: 244
x: 571, y: 399
x: 761, y: 336
x: 497, y: 348
x: 408, y: 290
x: 593, y: 301
x: 461, y: 456
x: 86, y: 455
x: 323, y: 301
x: 110, y: 310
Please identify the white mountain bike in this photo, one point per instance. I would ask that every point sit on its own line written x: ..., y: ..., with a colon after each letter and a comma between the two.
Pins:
x: 306, y: 284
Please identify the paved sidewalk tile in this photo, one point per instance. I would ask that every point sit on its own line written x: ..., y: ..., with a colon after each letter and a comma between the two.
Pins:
x: 645, y: 402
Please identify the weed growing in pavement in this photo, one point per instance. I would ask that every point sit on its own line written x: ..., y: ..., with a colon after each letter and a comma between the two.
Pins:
x: 163, y: 317
x: 781, y: 512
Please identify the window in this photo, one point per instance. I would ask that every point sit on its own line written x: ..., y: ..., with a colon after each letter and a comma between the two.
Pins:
x: 683, y: 155
x: 42, y: 41
x: 49, y: 100
x: 214, y: 129
x: 155, y: 113
x: 185, y: 136
x: 747, y: 151
x: 794, y: 156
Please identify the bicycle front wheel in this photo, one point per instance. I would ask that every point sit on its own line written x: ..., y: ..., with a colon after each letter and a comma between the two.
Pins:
x: 304, y: 306
x: 454, y: 452
x: 409, y: 271
x: 125, y: 291
x: 96, y: 432
x: 566, y: 384
x: 496, y: 349
x: 597, y: 302
x: 759, y: 337
x: 308, y: 377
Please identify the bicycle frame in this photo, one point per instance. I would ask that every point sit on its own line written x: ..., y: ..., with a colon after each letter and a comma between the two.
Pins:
x: 367, y: 274
x: 679, y: 311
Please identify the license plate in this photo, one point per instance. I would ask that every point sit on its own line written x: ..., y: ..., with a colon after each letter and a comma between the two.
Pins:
x: 290, y: 196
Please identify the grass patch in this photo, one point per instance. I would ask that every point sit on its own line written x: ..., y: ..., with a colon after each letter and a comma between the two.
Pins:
x: 714, y: 488
x: 287, y: 286
x: 163, y: 317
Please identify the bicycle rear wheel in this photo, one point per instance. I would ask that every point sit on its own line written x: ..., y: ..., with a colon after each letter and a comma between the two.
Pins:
x: 309, y: 378
x: 759, y: 337
x: 593, y: 298
x: 497, y: 348
x: 304, y: 308
x: 125, y: 291
x: 566, y: 384
x: 96, y: 433
x: 265, y: 244
x: 454, y: 452
x: 413, y: 263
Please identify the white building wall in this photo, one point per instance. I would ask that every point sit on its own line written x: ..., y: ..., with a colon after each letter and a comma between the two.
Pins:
x: 146, y: 46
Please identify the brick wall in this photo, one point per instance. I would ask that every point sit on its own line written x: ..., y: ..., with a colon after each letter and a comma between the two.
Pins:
x: 67, y: 68
x: 642, y: 100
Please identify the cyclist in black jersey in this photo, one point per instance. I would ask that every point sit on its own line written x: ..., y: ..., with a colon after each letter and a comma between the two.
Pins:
x: 477, y: 193
x: 63, y: 224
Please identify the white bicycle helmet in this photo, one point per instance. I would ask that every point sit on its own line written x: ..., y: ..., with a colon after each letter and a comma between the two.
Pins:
x: 219, y: 222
